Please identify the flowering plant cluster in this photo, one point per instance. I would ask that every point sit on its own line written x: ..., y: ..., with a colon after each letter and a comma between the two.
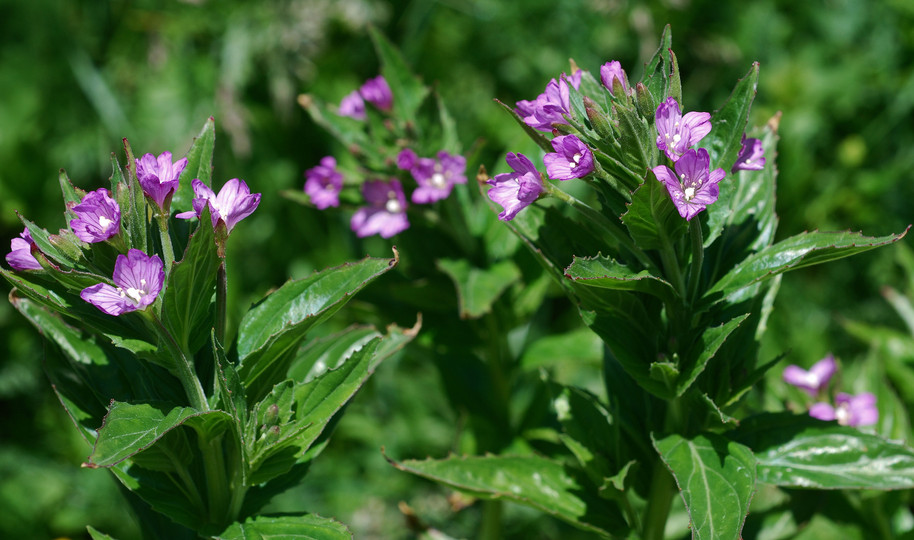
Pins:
x: 200, y: 423
x: 668, y: 250
x: 849, y: 410
x: 394, y: 167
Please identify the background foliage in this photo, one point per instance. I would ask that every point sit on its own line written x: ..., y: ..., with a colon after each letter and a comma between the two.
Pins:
x: 77, y: 76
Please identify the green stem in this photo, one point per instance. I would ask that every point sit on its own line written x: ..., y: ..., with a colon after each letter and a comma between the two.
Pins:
x: 236, y: 485
x: 167, y: 250
x: 492, y: 511
x: 216, y: 482
x: 697, y: 258
x: 221, y: 302
x: 613, y: 229
x: 190, y: 488
x: 659, y: 501
x: 671, y: 265
x: 184, y: 367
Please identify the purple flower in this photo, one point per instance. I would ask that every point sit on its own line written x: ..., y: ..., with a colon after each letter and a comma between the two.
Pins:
x: 751, y: 156
x: 612, y: 71
x: 676, y: 133
x: 436, y: 177
x: 138, y: 279
x: 323, y: 183
x: 549, y: 107
x: 407, y: 159
x: 98, y: 217
x: 572, y: 159
x: 816, y: 379
x: 386, y: 213
x: 859, y: 410
x: 377, y: 92
x: 352, y: 106
x: 234, y: 202
x: 159, y: 177
x: 516, y: 190
x: 20, y: 256
x: 694, y: 186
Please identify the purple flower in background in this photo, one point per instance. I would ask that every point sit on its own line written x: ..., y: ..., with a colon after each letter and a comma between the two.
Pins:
x: 816, y: 379
x: 516, y: 190
x: 138, y: 279
x: 20, y: 256
x: 694, y: 186
x: 436, y: 177
x: 159, y: 177
x: 850, y: 410
x: 386, y: 213
x: 352, y: 106
x: 751, y: 156
x: 377, y: 92
x: 612, y: 71
x: 572, y: 159
x: 98, y: 217
x: 549, y: 107
x: 407, y: 159
x: 323, y: 183
x: 233, y: 203
x: 676, y: 133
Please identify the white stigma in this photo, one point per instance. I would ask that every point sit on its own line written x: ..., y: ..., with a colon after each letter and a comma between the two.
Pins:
x: 438, y: 180
x: 393, y: 206
x: 676, y: 138
x: 689, y: 193
x: 104, y: 222
x: 842, y: 415
x: 576, y: 158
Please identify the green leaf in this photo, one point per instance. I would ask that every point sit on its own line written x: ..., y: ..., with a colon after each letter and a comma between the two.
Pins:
x: 71, y: 195
x: 603, y: 271
x: 637, y: 139
x: 588, y: 430
x: 42, y: 239
x: 96, y: 535
x: 716, y: 479
x: 729, y: 123
x: 703, y: 350
x: 271, y: 330
x: 135, y: 216
x: 800, y: 251
x: 651, y: 215
x: 478, y: 288
x: 349, y: 131
x: 657, y: 69
x: 199, y: 166
x: 130, y: 428
x: 187, y: 305
x: 535, y: 135
x: 533, y: 481
x: 408, y: 91
x: 321, y: 354
x: 304, y: 527
x: 800, y: 451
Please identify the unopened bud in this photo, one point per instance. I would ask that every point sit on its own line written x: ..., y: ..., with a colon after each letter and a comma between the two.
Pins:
x: 272, y: 434
x: 597, y: 118
x: 647, y: 106
x: 271, y: 416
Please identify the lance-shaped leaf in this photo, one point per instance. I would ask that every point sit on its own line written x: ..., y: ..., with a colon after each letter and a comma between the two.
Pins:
x: 588, y: 430
x: 651, y: 216
x: 799, y: 451
x: 478, y: 288
x: 130, y: 197
x: 187, y: 307
x: 805, y: 249
x: 130, y: 428
x: 199, y: 166
x: 42, y: 238
x: 703, y: 350
x: 535, y: 135
x: 657, y: 70
x: 533, y: 481
x: 306, y: 526
x: 349, y: 131
x: 271, y: 329
x: 637, y: 139
x: 729, y: 123
x: 716, y: 478
x: 603, y: 271
x: 159, y: 491
x: 408, y: 91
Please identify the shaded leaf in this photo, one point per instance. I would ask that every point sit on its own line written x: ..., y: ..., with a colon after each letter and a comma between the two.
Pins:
x: 603, y: 271
x: 478, y: 288
x: 199, y: 166
x: 304, y: 527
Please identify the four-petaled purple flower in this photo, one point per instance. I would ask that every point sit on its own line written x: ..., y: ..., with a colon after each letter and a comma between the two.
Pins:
x: 751, y: 156
x: 352, y: 106
x: 677, y: 133
x: 233, y: 203
x: 159, y: 177
x: 436, y: 177
x: 571, y: 159
x: 20, y: 256
x: 138, y: 279
x: 515, y: 190
x: 549, y: 107
x: 816, y: 379
x: 98, y: 217
x: 386, y: 213
x: 612, y: 71
x: 323, y: 183
x: 694, y: 186
x: 377, y: 92
x: 850, y: 410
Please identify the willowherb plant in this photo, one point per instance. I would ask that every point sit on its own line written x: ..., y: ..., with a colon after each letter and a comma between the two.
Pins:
x: 672, y: 262
x: 203, y: 424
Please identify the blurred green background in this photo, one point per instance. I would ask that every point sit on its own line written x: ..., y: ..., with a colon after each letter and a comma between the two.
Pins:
x: 77, y: 76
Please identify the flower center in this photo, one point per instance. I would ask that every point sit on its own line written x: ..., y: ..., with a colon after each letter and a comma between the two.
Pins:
x: 689, y: 193
x: 575, y: 159
x: 438, y: 181
x: 135, y: 294
x: 393, y: 206
x: 104, y: 222
x: 842, y: 415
